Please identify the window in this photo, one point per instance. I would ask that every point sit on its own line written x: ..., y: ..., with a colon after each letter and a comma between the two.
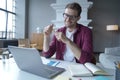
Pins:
x: 7, y: 19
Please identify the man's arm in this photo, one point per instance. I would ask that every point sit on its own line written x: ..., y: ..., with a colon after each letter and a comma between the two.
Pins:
x: 83, y: 53
x: 47, y: 33
x: 46, y: 43
x: 75, y: 49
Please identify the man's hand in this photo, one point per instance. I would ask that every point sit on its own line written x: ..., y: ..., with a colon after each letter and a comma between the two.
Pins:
x: 48, y: 30
x: 61, y: 37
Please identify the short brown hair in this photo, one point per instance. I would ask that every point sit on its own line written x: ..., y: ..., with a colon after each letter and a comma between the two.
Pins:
x: 74, y: 6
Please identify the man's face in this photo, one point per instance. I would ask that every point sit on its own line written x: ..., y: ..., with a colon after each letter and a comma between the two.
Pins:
x: 70, y: 17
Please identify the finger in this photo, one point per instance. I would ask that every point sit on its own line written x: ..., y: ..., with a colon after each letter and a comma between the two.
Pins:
x: 48, y: 29
x: 51, y: 26
x: 57, y: 35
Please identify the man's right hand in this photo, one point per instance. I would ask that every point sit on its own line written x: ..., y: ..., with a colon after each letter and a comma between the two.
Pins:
x: 48, y: 30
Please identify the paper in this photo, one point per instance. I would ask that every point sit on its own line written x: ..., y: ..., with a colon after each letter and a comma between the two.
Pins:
x: 79, y: 70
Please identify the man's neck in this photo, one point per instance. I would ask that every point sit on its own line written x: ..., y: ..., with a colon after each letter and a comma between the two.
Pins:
x: 71, y: 29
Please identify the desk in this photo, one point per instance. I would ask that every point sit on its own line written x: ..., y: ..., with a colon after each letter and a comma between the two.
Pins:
x: 10, y: 71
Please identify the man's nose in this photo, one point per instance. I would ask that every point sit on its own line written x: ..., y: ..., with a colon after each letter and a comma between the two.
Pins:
x: 68, y: 19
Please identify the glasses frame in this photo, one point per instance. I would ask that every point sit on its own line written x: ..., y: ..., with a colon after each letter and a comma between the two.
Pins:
x: 71, y: 17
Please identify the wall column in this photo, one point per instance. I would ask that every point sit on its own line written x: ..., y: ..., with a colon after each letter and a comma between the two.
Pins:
x: 59, y: 7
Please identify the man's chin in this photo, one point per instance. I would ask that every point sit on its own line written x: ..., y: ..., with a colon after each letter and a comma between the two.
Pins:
x: 67, y: 25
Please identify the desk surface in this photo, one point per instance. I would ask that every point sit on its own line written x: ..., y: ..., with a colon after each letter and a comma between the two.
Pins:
x: 10, y: 71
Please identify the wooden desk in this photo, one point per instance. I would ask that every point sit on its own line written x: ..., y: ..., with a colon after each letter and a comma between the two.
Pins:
x: 36, y: 40
x: 9, y: 70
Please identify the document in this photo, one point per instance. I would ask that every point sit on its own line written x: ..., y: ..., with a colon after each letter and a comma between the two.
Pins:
x: 87, y: 69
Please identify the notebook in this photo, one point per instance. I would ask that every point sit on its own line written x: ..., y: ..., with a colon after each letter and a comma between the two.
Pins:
x: 29, y: 60
x: 87, y: 69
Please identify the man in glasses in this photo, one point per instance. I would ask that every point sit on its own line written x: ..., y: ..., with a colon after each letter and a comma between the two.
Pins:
x: 73, y: 41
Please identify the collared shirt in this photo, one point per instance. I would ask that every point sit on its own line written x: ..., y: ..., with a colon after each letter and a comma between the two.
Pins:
x: 82, y: 37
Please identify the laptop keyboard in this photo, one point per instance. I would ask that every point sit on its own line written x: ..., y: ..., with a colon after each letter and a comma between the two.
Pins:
x: 50, y: 70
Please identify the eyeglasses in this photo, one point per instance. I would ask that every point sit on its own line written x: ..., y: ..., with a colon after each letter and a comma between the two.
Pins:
x: 65, y: 15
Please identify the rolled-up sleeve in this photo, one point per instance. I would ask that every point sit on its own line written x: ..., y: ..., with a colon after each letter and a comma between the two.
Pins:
x: 52, y: 49
x: 86, y: 46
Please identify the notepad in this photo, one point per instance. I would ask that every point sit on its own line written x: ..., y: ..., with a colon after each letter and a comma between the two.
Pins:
x: 87, y: 69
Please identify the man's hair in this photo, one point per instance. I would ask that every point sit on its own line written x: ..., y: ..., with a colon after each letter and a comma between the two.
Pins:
x: 74, y: 6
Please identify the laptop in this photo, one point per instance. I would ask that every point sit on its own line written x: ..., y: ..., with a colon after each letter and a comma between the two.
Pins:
x: 29, y: 60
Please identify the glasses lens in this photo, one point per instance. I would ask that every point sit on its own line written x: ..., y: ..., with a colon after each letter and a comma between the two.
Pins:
x: 69, y: 16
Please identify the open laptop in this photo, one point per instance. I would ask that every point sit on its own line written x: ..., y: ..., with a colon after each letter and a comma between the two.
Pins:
x: 29, y: 60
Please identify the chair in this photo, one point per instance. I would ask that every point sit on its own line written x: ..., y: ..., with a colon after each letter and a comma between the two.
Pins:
x: 36, y: 40
x: 1, y: 53
x: 110, y: 56
x: 4, y: 52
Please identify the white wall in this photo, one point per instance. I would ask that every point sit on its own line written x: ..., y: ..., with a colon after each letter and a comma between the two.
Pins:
x: 40, y: 14
x: 20, y: 18
x: 31, y: 14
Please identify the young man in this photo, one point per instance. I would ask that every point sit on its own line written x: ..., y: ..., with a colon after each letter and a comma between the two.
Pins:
x: 73, y: 41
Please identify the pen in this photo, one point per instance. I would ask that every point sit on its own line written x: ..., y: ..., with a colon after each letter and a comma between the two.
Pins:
x: 117, y: 63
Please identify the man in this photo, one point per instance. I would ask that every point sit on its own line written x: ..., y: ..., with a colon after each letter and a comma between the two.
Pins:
x: 72, y: 42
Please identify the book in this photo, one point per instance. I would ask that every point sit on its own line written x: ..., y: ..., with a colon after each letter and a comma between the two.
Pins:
x: 87, y: 69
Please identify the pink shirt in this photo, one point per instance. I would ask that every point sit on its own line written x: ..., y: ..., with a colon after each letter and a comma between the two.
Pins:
x: 82, y: 37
